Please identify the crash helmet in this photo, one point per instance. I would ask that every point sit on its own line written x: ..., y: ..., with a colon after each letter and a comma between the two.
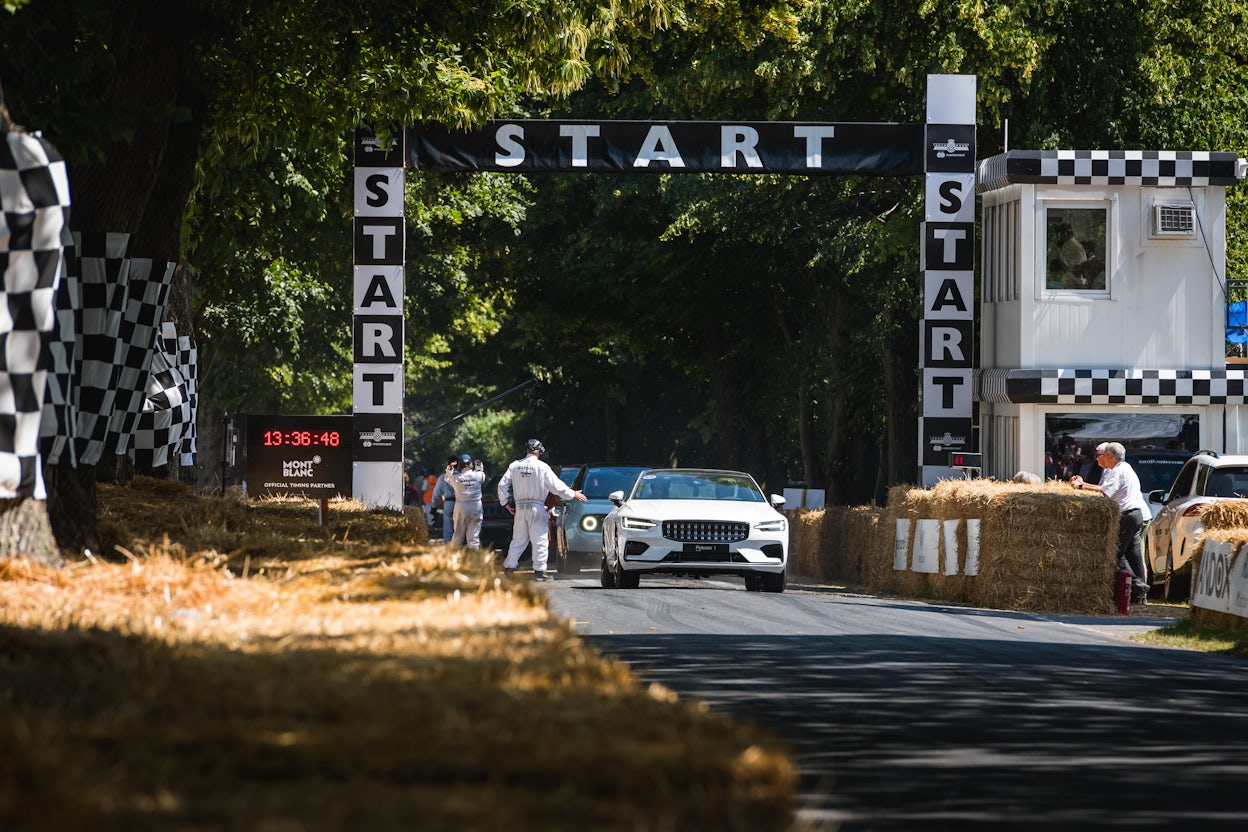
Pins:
x: 465, y: 461
x: 534, y: 447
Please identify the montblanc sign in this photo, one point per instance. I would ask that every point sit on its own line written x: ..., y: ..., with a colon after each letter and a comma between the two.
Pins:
x: 863, y: 148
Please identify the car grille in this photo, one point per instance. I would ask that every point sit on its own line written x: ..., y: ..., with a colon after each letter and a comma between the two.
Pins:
x: 704, y: 531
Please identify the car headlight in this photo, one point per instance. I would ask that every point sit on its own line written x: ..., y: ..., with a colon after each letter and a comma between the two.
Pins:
x: 589, y: 523
x: 777, y: 525
x: 637, y: 523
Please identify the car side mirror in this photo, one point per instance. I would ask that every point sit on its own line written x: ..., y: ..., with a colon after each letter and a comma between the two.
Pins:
x: 1157, y: 496
x: 616, y: 497
x: 777, y: 501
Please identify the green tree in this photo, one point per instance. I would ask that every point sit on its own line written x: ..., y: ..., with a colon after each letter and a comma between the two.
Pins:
x: 735, y: 302
x: 155, y: 104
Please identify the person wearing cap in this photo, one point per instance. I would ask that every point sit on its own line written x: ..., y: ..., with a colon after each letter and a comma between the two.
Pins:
x: 1120, y: 484
x: 444, y: 499
x: 467, y: 478
x: 529, y: 480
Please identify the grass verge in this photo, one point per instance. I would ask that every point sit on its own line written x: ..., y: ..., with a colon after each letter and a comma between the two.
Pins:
x: 1225, y: 640
x: 237, y: 665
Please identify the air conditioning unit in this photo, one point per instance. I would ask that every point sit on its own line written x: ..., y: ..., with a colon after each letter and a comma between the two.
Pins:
x: 1173, y: 220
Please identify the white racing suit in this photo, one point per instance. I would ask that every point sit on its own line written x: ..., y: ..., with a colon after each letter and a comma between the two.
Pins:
x: 468, y: 509
x: 529, y: 481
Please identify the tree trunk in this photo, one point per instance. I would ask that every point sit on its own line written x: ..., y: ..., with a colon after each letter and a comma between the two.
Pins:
x: 722, y: 394
x: 836, y: 409
x: 24, y: 527
x: 139, y: 186
x: 901, y: 393
x: 72, y: 507
x: 25, y: 532
x: 812, y: 471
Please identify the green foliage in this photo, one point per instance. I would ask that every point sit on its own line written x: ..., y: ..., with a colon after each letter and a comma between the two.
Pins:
x: 489, y: 436
x: 671, y: 318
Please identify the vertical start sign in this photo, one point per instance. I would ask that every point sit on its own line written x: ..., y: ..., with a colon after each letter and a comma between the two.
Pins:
x: 946, y: 331
x: 379, y: 243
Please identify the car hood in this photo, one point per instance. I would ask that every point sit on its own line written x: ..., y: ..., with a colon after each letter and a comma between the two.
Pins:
x: 725, y: 510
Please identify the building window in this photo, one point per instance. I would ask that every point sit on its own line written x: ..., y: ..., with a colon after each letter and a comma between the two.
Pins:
x: 1075, y: 248
x: 1157, y: 444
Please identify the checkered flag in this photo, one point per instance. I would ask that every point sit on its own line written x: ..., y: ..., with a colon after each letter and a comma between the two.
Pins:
x: 137, y: 344
x: 167, y: 416
x: 188, y: 364
x: 34, y: 213
x: 104, y: 271
x: 58, y: 428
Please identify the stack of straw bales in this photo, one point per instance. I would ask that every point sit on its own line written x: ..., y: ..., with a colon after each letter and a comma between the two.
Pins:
x: 837, y: 543
x: 1042, y: 548
x: 1225, y: 520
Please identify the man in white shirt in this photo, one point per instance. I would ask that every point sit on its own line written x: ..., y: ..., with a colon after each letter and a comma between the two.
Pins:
x: 1120, y: 484
x: 529, y: 480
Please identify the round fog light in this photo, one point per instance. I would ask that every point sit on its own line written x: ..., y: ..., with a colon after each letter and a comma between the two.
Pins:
x: 589, y: 523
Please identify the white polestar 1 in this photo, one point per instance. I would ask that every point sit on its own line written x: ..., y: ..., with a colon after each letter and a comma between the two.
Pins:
x: 686, y: 521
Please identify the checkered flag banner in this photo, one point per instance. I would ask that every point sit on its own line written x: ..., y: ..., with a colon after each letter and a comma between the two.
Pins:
x: 34, y: 215
x: 58, y: 427
x: 104, y: 271
x: 167, y: 420
x: 137, y: 345
x: 188, y: 364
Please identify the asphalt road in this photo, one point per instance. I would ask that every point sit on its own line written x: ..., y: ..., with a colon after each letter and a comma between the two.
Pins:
x: 905, y: 715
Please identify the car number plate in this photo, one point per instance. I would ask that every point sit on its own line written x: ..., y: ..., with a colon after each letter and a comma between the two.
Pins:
x: 705, y: 549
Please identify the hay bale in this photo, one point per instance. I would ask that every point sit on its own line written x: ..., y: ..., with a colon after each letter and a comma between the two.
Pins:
x: 1238, y: 536
x: 806, y: 551
x: 857, y: 534
x: 1041, y: 547
x: 1225, y: 514
x: 1047, y: 548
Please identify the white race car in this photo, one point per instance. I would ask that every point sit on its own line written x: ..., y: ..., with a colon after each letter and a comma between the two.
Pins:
x: 685, y: 521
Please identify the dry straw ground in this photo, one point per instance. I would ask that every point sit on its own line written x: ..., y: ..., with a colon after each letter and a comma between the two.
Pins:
x: 235, y: 665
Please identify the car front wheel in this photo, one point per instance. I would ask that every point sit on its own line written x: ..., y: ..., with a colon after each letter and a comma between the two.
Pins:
x: 774, y: 581
x: 625, y: 579
x: 753, y: 582
x: 607, y: 578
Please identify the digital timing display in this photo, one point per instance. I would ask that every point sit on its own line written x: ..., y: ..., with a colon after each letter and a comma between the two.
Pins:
x: 307, y: 455
x: 298, y: 438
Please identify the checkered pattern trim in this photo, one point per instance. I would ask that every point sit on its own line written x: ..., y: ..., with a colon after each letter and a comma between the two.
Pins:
x: 104, y: 270
x: 146, y: 293
x: 1150, y: 168
x: 1099, y: 387
x: 187, y: 362
x: 59, y: 424
x: 34, y: 214
x: 167, y: 420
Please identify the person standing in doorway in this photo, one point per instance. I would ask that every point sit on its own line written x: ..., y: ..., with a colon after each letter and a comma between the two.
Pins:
x: 1120, y: 484
x: 529, y: 480
x: 468, y: 478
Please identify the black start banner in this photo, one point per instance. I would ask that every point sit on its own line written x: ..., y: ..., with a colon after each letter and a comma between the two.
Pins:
x: 865, y: 149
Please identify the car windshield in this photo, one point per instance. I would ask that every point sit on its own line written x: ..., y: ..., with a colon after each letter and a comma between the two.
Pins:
x: 1227, y: 482
x: 601, y: 481
x: 697, y: 485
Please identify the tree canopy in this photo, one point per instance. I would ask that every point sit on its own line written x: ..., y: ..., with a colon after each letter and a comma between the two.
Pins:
x: 756, y: 321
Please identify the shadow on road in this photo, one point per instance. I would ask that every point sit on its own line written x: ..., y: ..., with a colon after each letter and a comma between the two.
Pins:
x: 906, y: 733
